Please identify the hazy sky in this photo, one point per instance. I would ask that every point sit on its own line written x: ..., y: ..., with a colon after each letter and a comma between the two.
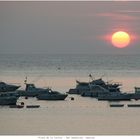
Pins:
x: 67, y: 27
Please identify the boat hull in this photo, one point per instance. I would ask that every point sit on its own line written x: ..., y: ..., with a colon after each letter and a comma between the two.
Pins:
x: 8, y: 88
x: 28, y: 94
x: 73, y: 91
x: 117, y: 105
x: 115, y: 98
x: 135, y: 96
x: 89, y: 94
x: 51, y: 97
x: 31, y: 93
x: 8, y: 101
x: 133, y: 105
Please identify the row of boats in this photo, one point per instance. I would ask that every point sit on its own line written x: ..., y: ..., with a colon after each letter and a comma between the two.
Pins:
x: 9, y: 94
x: 102, y: 90
x: 96, y: 88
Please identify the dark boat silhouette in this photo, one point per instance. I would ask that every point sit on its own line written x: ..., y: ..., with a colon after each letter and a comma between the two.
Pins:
x: 4, y: 87
x: 32, y: 91
x: 51, y: 95
x: 86, y: 88
x: 136, y: 94
x: 8, y: 98
x: 41, y: 93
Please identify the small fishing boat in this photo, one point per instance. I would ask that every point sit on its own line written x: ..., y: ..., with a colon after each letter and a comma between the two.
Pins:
x: 114, y: 96
x: 16, y: 106
x: 116, y: 105
x: 32, y: 106
x: 133, y: 105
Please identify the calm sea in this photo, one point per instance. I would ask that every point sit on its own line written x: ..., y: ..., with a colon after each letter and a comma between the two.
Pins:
x: 69, y: 64
x: 83, y: 116
x: 48, y: 70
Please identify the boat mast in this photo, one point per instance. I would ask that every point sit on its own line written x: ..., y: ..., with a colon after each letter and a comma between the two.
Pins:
x: 25, y: 81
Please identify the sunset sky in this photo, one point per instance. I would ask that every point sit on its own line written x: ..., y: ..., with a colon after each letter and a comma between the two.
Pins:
x: 68, y: 27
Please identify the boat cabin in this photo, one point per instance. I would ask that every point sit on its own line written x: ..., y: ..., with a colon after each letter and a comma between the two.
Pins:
x: 137, y: 90
x: 30, y: 87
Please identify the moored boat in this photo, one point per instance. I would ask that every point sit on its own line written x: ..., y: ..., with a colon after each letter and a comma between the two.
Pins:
x: 116, y: 105
x: 16, y: 106
x: 32, y: 106
x: 133, y: 105
x: 51, y: 95
x: 84, y: 88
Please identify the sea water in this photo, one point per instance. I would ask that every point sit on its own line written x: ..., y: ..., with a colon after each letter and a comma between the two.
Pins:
x: 84, y: 115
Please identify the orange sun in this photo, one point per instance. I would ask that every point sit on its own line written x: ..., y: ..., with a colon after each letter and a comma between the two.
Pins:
x: 120, y: 39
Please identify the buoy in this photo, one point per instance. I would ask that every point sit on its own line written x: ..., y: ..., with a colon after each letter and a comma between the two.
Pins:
x: 26, y: 97
x: 72, y: 98
x: 22, y: 103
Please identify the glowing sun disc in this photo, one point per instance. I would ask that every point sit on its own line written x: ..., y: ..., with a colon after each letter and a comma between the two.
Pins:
x: 120, y: 39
